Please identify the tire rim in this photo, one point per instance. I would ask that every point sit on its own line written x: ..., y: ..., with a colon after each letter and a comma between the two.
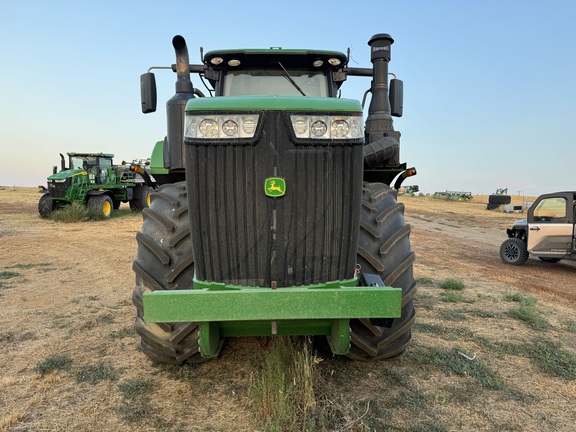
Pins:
x: 106, y: 208
x: 511, y: 252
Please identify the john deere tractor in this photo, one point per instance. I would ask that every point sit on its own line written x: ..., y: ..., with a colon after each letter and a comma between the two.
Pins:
x: 277, y: 210
x: 92, y: 179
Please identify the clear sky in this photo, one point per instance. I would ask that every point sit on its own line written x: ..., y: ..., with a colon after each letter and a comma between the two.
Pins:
x: 489, y: 86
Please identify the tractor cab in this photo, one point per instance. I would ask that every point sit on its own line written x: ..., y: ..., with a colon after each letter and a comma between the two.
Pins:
x: 97, y: 165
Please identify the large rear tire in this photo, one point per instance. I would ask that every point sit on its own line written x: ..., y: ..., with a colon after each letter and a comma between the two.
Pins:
x: 499, y: 199
x: 45, y: 205
x: 384, y: 249
x: 140, y: 200
x: 101, y: 204
x: 550, y: 260
x: 165, y: 261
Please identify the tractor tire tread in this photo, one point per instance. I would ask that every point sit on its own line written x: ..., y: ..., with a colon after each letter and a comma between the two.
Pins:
x: 384, y: 248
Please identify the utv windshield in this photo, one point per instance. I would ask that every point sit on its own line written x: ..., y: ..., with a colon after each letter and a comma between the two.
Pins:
x: 275, y: 82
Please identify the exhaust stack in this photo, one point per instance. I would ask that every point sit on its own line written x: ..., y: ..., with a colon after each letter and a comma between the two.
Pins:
x: 175, y: 108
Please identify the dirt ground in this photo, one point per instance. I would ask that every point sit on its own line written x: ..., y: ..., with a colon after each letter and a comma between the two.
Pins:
x: 65, y: 289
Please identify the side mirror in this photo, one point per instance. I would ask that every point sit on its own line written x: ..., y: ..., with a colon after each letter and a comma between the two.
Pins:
x: 396, y: 97
x: 148, y: 92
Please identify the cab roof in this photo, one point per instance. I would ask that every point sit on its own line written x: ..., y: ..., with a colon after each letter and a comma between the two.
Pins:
x: 106, y: 155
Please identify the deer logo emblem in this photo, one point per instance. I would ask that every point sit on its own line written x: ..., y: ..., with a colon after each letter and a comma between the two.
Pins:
x: 275, y: 187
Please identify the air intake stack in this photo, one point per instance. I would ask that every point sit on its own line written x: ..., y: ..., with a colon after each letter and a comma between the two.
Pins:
x: 383, y: 148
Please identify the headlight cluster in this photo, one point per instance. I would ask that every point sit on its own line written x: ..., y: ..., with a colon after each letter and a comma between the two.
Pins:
x: 327, y: 127
x: 222, y: 126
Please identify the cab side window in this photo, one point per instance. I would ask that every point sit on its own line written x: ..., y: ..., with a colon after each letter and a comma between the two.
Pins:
x: 550, y: 210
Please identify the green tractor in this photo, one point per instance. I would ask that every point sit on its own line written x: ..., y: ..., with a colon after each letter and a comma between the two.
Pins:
x: 277, y: 209
x: 93, y: 180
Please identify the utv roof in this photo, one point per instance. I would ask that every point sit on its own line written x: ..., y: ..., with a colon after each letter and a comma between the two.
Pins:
x: 559, y: 193
x: 290, y: 58
x: 106, y: 155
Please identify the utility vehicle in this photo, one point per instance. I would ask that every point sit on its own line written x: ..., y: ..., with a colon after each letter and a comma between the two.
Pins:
x: 548, y: 232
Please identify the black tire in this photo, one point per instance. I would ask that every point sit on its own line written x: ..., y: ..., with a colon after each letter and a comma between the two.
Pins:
x: 384, y: 249
x: 165, y: 261
x: 550, y: 260
x: 514, y: 251
x: 101, y: 204
x: 45, y: 205
x: 499, y: 199
x: 491, y: 206
x: 140, y: 198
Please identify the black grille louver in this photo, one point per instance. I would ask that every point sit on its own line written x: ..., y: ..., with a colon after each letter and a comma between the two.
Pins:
x: 243, y: 237
x: 59, y: 189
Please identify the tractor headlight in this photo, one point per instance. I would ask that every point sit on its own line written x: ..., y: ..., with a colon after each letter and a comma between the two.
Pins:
x: 220, y: 126
x: 327, y: 127
x: 209, y: 128
x: 318, y: 129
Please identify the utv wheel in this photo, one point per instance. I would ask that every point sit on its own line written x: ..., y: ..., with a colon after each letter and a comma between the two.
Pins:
x: 165, y: 262
x: 45, y: 205
x: 384, y: 249
x: 140, y: 200
x: 549, y: 260
x: 514, y: 251
x: 101, y: 204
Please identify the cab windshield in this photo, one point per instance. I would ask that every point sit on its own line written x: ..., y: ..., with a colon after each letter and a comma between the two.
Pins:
x: 275, y: 82
x: 88, y: 162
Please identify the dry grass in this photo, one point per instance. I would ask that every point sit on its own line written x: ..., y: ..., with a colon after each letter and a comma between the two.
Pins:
x: 65, y: 292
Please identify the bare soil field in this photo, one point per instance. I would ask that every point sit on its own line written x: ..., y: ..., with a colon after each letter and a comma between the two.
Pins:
x: 497, y: 351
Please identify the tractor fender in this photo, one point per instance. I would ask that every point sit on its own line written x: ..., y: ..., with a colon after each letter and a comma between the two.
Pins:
x: 96, y: 192
x: 42, y: 190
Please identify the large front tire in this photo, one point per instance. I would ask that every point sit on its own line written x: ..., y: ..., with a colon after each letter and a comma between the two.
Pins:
x: 165, y: 262
x: 45, y: 205
x: 384, y: 249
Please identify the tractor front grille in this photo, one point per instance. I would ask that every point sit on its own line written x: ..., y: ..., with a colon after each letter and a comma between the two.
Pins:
x: 241, y: 236
x: 58, y: 189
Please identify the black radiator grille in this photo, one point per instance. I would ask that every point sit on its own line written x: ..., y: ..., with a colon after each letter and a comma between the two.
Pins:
x: 241, y: 236
x: 59, y: 189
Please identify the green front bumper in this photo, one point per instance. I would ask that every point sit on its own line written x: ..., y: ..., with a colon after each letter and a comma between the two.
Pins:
x: 230, y: 310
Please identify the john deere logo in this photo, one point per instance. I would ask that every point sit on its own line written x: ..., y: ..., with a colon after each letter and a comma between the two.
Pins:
x: 275, y: 187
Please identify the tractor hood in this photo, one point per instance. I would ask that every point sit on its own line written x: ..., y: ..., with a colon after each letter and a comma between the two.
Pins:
x: 273, y: 103
x: 63, y: 175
